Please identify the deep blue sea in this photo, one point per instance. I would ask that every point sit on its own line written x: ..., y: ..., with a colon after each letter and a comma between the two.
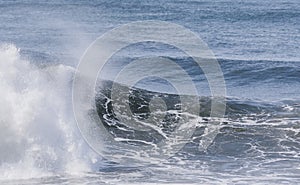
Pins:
x: 255, y: 43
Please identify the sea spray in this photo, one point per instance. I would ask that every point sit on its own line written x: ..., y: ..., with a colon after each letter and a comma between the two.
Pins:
x: 38, y: 134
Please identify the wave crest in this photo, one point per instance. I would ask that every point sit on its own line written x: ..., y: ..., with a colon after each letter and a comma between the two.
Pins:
x: 37, y: 131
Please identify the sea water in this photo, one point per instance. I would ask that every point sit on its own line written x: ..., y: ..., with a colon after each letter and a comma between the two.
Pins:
x: 256, y: 44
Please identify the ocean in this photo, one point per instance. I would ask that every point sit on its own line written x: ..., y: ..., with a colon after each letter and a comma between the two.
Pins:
x: 223, y: 109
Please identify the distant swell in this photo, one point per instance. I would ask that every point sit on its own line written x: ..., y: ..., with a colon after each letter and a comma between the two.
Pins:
x: 257, y: 71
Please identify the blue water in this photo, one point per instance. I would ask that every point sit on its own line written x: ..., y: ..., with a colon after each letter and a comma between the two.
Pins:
x: 256, y: 44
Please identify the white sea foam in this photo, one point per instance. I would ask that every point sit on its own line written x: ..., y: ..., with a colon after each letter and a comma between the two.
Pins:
x: 38, y: 134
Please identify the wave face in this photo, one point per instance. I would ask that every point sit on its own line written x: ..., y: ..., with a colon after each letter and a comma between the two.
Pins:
x: 259, y: 133
x: 255, y: 136
x: 243, y: 118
